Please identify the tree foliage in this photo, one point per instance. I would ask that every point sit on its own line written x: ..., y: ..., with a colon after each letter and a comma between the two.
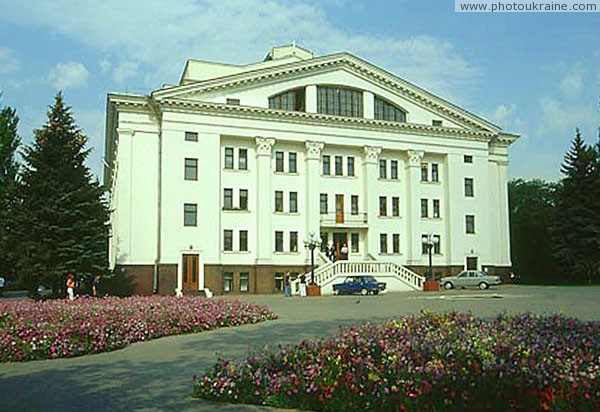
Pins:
x: 531, y: 214
x: 9, y: 168
x: 576, y: 229
x: 64, y: 213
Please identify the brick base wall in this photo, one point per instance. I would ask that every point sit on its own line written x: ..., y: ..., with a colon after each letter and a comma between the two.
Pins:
x: 140, y: 279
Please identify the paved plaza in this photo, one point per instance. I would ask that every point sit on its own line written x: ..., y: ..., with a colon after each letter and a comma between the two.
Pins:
x: 157, y: 375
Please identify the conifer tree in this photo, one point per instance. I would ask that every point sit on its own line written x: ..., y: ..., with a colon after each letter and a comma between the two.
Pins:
x: 64, y: 215
x: 9, y: 144
x: 576, y: 229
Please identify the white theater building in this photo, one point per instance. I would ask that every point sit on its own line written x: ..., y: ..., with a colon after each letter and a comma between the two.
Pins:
x: 217, y: 182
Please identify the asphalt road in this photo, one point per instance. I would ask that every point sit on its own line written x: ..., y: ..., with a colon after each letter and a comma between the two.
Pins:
x: 157, y: 375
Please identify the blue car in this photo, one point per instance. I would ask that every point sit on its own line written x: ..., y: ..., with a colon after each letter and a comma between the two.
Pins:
x: 359, y: 284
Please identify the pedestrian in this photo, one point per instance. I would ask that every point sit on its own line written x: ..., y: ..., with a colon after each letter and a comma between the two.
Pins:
x: 70, y: 286
x: 303, y: 285
x: 95, y: 286
x: 287, y: 280
x: 344, y: 251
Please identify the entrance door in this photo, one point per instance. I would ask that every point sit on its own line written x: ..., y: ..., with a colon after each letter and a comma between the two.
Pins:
x: 339, y: 208
x: 190, y: 272
x: 339, y: 240
x: 471, y: 263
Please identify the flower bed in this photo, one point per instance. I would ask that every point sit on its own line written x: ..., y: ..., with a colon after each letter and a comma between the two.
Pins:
x: 61, y: 328
x: 449, y: 362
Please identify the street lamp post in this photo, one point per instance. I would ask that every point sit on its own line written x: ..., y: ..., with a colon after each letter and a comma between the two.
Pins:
x: 430, y: 240
x: 311, y: 243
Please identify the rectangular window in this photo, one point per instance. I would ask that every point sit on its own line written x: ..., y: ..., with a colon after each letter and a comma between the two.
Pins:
x: 190, y: 214
x: 383, y: 243
x: 278, y: 201
x: 243, y: 240
x: 279, y: 161
x: 470, y: 223
x: 243, y: 159
x: 326, y: 165
x: 191, y: 136
x: 324, y: 238
x: 229, y: 158
x: 435, y: 177
x: 395, y: 206
x: 382, y: 169
x: 292, y: 166
x: 350, y: 164
x: 339, y: 166
x: 468, y: 159
x: 354, y: 242
x: 437, y: 123
x: 394, y: 169
x: 293, y: 202
x: 424, y: 208
x: 228, y: 240
x: 227, y: 282
x: 469, y: 189
x: 396, y: 243
x: 354, y: 204
x: 424, y: 172
x: 243, y: 199
x: 278, y: 241
x: 244, y: 281
x: 437, y: 244
x: 382, y: 206
x: 424, y: 245
x: 235, y: 102
x: 436, y: 208
x: 191, y: 169
x: 293, y: 241
x: 323, y: 201
x: 227, y: 199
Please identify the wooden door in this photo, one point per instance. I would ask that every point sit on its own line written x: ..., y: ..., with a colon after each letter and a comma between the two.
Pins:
x: 190, y: 272
x: 471, y: 263
x: 339, y: 208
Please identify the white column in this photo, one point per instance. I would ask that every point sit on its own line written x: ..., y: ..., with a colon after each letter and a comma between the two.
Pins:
x: 313, y: 162
x: 371, y: 197
x: 310, y: 99
x: 504, y: 235
x: 413, y: 198
x: 264, y: 235
x: 121, y: 241
x: 368, y: 105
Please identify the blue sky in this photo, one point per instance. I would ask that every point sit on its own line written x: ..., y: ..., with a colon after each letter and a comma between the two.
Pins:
x: 534, y: 74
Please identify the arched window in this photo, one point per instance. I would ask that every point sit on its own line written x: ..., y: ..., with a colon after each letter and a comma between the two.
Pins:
x: 385, y: 110
x: 339, y: 101
x: 292, y: 100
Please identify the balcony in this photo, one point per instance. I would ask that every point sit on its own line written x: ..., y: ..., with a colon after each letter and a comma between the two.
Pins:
x: 358, y: 220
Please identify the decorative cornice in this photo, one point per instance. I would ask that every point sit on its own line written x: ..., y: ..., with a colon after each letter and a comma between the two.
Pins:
x: 414, y: 157
x: 264, y: 145
x: 371, y: 153
x: 261, y: 113
x: 313, y: 149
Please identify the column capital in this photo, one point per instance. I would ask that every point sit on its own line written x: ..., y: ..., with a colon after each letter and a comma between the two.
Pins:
x: 264, y: 145
x: 415, y: 156
x: 371, y: 153
x: 313, y: 149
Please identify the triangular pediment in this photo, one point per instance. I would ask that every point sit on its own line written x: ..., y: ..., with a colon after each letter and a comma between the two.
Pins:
x: 341, y: 69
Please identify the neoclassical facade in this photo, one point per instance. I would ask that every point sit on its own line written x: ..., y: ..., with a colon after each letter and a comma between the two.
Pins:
x: 216, y: 183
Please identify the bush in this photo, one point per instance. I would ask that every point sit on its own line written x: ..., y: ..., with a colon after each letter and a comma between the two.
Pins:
x: 450, y: 362
x: 61, y: 328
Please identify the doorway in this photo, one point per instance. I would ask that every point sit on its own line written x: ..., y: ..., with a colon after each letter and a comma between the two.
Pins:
x: 472, y: 263
x: 339, y: 208
x: 190, y: 272
x: 339, y: 240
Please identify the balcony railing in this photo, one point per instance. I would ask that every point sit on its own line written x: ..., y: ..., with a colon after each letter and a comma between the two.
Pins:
x: 344, y: 219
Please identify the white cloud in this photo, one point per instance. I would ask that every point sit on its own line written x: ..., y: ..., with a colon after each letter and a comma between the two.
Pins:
x: 559, y: 120
x: 68, y: 75
x: 572, y: 83
x: 9, y: 63
x: 105, y: 65
x: 238, y: 31
x: 125, y: 70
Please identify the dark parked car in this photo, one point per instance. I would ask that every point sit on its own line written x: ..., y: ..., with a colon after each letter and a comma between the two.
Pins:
x: 467, y: 278
x: 359, y: 284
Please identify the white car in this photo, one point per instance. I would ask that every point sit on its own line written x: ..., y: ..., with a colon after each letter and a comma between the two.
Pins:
x: 468, y: 278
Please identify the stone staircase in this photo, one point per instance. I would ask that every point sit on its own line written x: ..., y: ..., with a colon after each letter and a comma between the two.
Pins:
x: 397, y: 277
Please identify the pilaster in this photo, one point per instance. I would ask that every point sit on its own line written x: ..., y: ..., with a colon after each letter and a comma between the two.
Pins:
x: 310, y: 99
x: 413, y: 198
x: 264, y: 234
x: 371, y: 205
x: 313, y: 162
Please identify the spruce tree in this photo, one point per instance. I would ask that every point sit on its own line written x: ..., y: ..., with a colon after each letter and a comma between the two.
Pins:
x: 9, y: 203
x: 65, y: 214
x: 576, y: 229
